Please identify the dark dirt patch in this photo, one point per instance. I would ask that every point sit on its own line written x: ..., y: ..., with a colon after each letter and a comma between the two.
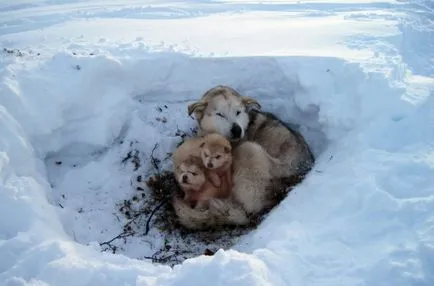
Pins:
x: 13, y: 52
x: 19, y: 53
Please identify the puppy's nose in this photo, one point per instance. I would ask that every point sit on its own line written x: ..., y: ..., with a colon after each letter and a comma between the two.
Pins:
x: 236, y: 131
x: 210, y: 165
x: 193, y: 204
x: 184, y: 179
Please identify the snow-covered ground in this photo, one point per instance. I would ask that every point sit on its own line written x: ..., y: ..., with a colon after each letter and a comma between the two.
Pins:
x: 84, y: 83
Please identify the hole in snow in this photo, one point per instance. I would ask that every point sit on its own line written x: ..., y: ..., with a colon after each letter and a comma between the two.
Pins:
x: 122, y: 118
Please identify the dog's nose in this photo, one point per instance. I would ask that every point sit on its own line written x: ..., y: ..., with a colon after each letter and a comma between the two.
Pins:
x: 210, y: 165
x: 236, y: 131
x: 184, y: 179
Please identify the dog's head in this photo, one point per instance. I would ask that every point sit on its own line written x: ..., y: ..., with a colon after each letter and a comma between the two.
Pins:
x: 224, y: 111
x: 215, y: 151
x: 190, y: 174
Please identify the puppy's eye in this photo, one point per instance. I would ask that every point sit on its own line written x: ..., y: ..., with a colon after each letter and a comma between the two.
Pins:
x: 218, y: 156
x: 220, y: 114
x: 238, y: 113
x: 194, y: 174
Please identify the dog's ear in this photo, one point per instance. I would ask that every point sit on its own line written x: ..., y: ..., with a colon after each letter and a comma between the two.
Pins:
x: 250, y: 102
x: 198, y: 108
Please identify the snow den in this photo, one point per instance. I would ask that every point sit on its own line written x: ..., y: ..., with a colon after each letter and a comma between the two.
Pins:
x: 82, y: 131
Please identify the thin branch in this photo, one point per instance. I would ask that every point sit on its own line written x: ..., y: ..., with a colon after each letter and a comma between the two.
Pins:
x: 154, y: 161
x: 152, y: 214
x: 119, y: 236
x: 128, y: 232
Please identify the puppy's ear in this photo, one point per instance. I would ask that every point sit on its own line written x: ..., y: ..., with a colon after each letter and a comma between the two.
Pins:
x: 250, y: 102
x: 198, y: 108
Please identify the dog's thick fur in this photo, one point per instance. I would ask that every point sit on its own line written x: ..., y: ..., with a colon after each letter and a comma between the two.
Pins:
x: 273, y: 151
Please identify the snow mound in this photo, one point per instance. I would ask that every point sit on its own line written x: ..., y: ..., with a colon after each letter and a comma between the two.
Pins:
x: 70, y: 120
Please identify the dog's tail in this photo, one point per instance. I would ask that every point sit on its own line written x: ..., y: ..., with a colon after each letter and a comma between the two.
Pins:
x: 189, y: 217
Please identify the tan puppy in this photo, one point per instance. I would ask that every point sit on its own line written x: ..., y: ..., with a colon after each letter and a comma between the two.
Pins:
x: 216, y: 153
x: 194, y: 180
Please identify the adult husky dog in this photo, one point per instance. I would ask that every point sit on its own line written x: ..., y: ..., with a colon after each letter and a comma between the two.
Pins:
x: 266, y: 153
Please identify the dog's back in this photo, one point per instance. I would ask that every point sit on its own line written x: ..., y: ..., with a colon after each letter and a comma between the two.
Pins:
x: 281, y: 142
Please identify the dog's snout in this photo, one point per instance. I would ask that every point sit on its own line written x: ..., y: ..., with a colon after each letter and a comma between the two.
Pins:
x: 184, y: 179
x: 210, y: 165
x: 236, y: 131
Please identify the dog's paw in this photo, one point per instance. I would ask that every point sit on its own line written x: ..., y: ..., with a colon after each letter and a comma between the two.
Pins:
x: 218, y: 206
x: 228, y: 212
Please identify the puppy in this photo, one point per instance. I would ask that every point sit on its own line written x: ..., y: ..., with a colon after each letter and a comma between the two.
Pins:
x: 216, y: 154
x: 193, y: 179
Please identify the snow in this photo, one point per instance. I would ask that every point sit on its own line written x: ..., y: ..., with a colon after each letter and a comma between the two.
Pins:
x: 82, y: 83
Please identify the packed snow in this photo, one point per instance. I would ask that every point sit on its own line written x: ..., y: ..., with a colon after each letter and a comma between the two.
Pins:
x: 92, y: 91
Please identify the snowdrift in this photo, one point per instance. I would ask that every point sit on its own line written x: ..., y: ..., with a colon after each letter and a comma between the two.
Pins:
x: 362, y: 212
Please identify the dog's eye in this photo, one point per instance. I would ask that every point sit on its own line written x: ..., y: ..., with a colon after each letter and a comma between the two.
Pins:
x: 238, y: 113
x: 217, y: 157
x: 220, y: 114
x: 194, y: 174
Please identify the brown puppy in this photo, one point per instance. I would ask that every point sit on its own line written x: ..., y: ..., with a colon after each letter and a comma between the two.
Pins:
x: 216, y: 153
